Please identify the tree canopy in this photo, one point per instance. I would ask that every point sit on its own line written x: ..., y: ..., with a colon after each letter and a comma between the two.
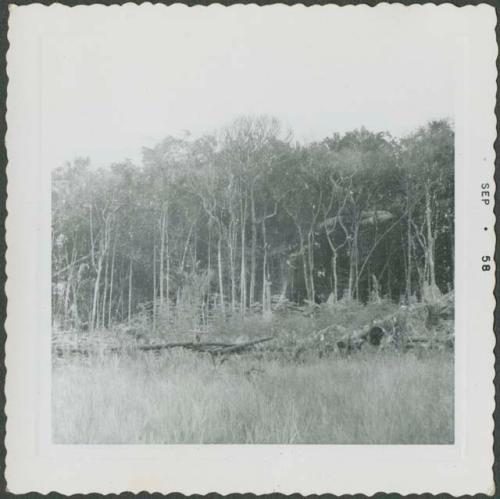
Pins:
x: 232, y: 222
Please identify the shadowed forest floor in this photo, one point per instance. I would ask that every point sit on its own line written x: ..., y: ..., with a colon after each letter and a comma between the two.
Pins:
x: 181, y: 397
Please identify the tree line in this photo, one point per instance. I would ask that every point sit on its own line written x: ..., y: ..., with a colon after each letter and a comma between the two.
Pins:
x: 232, y: 222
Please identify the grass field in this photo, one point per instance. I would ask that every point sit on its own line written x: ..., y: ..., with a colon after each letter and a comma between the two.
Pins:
x: 181, y: 397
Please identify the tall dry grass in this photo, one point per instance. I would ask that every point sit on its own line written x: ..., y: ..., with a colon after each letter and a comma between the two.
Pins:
x: 180, y: 397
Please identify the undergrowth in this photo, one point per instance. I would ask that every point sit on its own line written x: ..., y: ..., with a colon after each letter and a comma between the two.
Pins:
x: 180, y: 397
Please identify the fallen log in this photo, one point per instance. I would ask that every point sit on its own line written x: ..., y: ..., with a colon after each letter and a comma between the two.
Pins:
x: 214, y: 348
x: 239, y: 347
x: 187, y: 345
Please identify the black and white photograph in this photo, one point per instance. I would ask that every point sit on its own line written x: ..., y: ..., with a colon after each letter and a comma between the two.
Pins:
x: 253, y: 224
x: 273, y: 263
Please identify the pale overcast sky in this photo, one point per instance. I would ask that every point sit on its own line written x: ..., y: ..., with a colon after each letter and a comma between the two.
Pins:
x: 116, y: 79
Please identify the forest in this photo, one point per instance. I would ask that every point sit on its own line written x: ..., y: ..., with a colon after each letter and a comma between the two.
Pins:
x: 243, y: 287
x: 246, y: 219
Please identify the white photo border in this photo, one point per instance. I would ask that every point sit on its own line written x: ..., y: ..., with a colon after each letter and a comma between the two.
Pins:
x: 33, y: 463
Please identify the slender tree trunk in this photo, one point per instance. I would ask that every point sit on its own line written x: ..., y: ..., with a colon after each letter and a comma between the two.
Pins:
x: 350, y: 281
x: 166, y: 277
x: 119, y: 311
x: 452, y: 251
x: 105, y: 292
x: 120, y: 305
x: 219, y: 264
x: 409, y: 243
x: 75, y: 312
x: 154, y: 287
x: 209, y: 248
x: 333, y: 262
x: 95, y: 301
x: 430, y: 238
x: 389, y: 282
x: 232, y: 265
x: 264, y: 263
x: 183, y: 261
x: 103, y: 252
x: 408, y: 263
x: 334, y: 276
x: 92, y: 247
x: 266, y: 285
x: 243, y: 281
x: 310, y: 254
x: 67, y: 290
x: 130, y: 293
x: 194, y: 251
x: 305, y: 259
x: 306, y: 276
x: 284, y: 278
x: 209, y: 266
x: 162, y: 256
x: 111, y: 283
x: 349, y: 243
x: 96, y: 283
x: 186, y: 247
x: 356, y: 262
x: 253, y: 255
x: 352, y: 289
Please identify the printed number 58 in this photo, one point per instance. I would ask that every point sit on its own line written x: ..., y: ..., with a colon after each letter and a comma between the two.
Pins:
x: 486, y: 266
